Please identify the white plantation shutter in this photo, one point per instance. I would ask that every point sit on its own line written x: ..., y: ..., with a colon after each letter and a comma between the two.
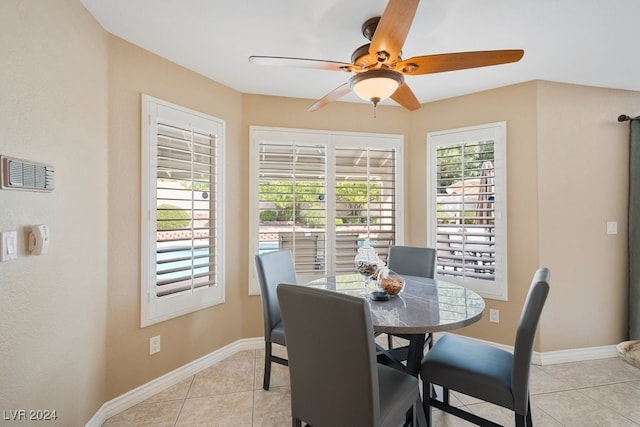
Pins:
x: 292, y: 200
x: 181, y: 244
x: 468, y: 207
x: 313, y: 191
x: 366, y: 188
x: 465, y: 210
x: 185, y: 249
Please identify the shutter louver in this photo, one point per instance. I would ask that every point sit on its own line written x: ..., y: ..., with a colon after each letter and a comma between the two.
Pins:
x: 465, y: 210
x: 185, y: 245
x: 292, y: 202
x: 365, y: 189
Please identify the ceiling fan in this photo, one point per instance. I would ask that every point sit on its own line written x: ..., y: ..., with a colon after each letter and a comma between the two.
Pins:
x: 377, y: 66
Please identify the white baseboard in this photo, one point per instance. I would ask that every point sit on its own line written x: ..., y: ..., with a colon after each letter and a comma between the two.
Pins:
x: 145, y: 391
x: 559, y: 356
x: 574, y: 355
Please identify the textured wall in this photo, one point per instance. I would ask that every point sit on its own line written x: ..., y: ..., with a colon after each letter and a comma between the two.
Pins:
x: 583, y: 155
x: 53, y: 109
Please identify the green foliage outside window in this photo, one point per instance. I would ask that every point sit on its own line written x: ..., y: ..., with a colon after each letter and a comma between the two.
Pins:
x: 196, y: 185
x: 456, y: 162
x: 171, y: 217
x: 303, y: 201
x: 268, y: 216
x: 351, y: 199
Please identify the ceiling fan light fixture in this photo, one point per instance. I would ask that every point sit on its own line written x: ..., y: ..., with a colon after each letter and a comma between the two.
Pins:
x: 376, y: 85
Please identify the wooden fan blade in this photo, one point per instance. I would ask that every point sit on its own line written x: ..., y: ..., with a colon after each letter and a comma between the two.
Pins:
x: 317, y: 64
x: 457, y: 61
x: 334, y: 95
x: 405, y: 97
x: 392, y: 29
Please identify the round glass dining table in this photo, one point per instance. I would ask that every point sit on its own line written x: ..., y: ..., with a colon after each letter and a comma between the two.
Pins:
x: 423, y: 307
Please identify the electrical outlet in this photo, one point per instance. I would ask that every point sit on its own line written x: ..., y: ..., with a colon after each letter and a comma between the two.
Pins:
x: 494, y: 315
x: 154, y: 344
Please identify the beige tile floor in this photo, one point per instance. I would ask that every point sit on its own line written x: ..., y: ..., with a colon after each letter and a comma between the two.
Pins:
x: 603, y: 392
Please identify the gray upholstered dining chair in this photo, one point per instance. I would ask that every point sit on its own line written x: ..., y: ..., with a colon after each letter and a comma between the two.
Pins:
x: 273, y: 268
x: 412, y: 261
x: 334, y: 377
x: 483, y: 371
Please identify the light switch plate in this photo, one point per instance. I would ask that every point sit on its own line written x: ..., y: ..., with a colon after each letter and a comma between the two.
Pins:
x: 612, y: 227
x: 8, y: 245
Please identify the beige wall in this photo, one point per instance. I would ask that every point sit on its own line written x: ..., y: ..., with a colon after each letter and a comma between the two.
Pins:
x: 53, y: 109
x: 517, y: 106
x: 567, y: 165
x: 582, y: 184
x: 133, y: 72
x: 70, y: 331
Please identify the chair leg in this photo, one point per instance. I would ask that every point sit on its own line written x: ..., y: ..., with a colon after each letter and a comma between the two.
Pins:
x: 427, y: 393
x: 267, y: 365
x: 429, y: 340
x: 529, y: 421
x: 390, y: 341
x: 295, y: 422
x: 520, y: 420
x: 445, y: 396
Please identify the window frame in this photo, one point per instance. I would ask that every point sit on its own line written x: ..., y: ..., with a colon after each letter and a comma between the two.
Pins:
x: 154, y: 308
x: 492, y: 289
x: 331, y: 139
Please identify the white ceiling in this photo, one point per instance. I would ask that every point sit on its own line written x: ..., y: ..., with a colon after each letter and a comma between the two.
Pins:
x: 587, y: 42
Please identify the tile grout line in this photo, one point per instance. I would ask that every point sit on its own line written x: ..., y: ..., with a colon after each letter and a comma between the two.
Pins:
x: 186, y: 396
x: 603, y: 405
x: 580, y: 390
x: 546, y: 413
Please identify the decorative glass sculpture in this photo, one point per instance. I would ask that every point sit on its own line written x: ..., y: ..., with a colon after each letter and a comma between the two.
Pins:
x: 367, y: 262
x: 390, y: 282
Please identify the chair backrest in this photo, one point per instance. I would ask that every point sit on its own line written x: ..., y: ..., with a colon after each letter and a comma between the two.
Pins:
x: 331, y: 349
x: 273, y: 268
x: 525, y: 336
x: 412, y: 261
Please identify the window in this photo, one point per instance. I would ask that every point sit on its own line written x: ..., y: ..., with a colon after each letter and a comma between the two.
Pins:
x: 322, y: 194
x: 182, y: 240
x: 467, y: 206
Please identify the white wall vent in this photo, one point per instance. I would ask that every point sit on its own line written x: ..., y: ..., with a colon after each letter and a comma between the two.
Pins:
x: 18, y: 174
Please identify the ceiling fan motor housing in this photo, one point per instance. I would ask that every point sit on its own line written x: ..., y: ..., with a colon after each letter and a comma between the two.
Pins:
x: 369, y: 27
x: 361, y: 58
